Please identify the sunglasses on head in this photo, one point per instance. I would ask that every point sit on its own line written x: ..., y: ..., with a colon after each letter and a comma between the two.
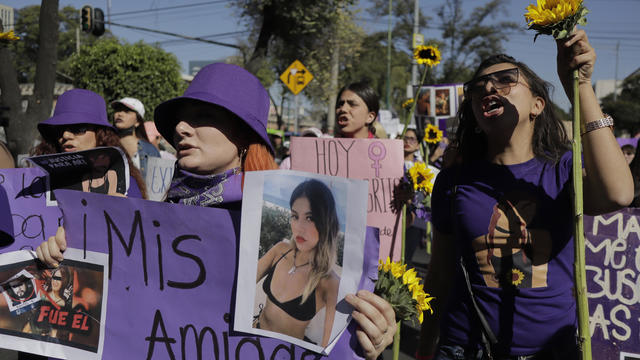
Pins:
x: 500, y: 79
x: 57, y: 277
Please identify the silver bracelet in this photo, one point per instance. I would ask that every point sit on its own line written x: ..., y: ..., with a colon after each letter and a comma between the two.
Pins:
x: 606, y: 121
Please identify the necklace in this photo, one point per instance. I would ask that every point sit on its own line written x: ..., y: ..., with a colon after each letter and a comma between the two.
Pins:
x: 294, y: 267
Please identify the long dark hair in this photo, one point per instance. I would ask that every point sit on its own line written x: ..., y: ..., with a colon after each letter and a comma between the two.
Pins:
x: 550, y: 139
x: 368, y: 95
x: 104, y: 137
x: 325, y: 219
x: 141, y: 131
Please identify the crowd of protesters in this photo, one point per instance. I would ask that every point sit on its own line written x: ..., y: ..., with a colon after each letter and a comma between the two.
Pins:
x: 511, y: 160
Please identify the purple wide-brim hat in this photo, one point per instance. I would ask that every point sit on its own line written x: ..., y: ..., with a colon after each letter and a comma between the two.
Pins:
x: 76, y: 106
x: 225, y: 85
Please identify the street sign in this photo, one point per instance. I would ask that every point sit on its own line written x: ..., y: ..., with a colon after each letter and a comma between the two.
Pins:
x: 296, y: 77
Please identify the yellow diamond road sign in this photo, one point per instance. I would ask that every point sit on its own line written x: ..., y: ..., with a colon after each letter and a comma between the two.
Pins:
x: 296, y: 77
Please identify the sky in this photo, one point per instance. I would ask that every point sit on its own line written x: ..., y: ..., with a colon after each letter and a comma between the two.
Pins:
x: 612, y: 29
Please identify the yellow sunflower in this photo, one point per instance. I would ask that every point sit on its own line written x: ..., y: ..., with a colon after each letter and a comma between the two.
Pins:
x: 432, y: 134
x: 421, y: 177
x: 407, y: 104
x: 427, y: 54
x: 8, y: 36
x: 516, y: 276
x: 547, y: 12
x: 555, y: 17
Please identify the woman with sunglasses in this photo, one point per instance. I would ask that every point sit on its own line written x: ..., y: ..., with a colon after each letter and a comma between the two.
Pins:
x: 219, y: 136
x: 79, y: 122
x: 504, y: 212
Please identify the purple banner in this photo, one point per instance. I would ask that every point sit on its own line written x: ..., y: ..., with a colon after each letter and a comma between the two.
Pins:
x: 25, y: 219
x: 613, y: 284
x: 172, y: 275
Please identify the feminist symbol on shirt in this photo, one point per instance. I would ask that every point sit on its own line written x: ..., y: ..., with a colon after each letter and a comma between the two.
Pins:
x: 377, y: 156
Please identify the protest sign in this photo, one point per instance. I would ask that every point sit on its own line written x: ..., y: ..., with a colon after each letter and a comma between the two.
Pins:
x: 159, y: 175
x: 613, y: 284
x: 102, y: 170
x: 172, y: 277
x: 307, y: 218
x: 379, y: 161
x: 55, y: 312
x: 25, y: 218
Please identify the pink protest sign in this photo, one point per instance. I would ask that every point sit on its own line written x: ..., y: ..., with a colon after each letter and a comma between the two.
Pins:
x: 380, y: 161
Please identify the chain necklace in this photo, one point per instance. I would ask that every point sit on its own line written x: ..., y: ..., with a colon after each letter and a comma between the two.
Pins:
x: 294, y: 267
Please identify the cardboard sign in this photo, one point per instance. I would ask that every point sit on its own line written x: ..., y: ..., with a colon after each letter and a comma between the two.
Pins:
x: 159, y: 175
x: 613, y: 284
x: 379, y: 161
x: 172, y: 277
x: 25, y: 219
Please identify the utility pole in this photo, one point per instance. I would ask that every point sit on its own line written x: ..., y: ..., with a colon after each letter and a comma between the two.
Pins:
x: 615, y: 82
x: 77, y: 39
x: 416, y: 30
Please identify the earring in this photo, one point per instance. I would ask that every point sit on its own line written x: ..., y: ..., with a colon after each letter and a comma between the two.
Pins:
x: 532, y: 117
x: 242, y: 152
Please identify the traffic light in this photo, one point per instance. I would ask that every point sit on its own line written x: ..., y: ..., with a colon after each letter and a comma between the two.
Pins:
x: 98, y: 22
x: 86, y: 16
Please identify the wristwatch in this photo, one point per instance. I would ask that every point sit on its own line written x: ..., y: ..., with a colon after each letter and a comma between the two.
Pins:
x: 606, y: 121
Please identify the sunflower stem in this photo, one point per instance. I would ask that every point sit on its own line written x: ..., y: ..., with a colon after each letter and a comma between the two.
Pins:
x: 396, y: 342
x: 584, y: 337
x: 415, y: 100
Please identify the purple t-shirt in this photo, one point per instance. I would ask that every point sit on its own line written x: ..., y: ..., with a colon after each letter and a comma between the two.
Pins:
x: 513, y: 229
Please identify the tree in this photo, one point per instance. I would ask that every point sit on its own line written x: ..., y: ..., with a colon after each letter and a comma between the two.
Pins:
x: 297, y: 24
x: 625, y: 108
x: 28, y: 28
x: 467, y: 41
x: 116, y: 70
x: 22, y: 130
x: 403, y: 12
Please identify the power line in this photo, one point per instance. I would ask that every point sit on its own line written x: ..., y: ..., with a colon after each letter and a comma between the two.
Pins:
x: 169, y: 8
x: 165, y: 42
x: 194, y: 38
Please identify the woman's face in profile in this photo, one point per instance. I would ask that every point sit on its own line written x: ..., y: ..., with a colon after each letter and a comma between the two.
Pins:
x: 303, y: 229
x: 56, y: 281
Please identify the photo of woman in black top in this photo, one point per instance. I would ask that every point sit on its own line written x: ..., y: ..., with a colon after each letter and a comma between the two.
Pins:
x: 298, y: 277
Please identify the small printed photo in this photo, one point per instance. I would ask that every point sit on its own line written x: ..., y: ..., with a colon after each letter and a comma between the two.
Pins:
x: 102, y: 170
x: 301, y: 244
x: 443, y: 102
x: 423, y: 105
x: 300, y: 259
x: 61, y: 306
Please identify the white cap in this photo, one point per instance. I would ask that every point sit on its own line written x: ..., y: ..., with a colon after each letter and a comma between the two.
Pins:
x: 132, y: 103
x: 312, y: 131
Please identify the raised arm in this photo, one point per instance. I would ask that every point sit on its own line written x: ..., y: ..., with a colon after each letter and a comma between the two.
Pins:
x: 608, y: 184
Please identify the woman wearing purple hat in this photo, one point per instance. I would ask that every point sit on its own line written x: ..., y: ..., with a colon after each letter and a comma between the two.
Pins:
x: 79, y: 122
x: 219, y: 135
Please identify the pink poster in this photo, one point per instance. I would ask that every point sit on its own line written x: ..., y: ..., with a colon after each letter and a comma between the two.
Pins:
x: 380, y: 161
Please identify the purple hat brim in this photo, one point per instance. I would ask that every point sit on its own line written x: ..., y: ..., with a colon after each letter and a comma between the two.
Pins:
x: 165, y: 118
x: 44, y: 127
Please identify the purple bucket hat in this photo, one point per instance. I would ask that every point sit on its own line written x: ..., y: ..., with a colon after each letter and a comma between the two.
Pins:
x: 76, y: 106
x: 225, y: 85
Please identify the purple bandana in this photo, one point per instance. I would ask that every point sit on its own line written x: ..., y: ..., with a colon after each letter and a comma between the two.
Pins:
x: 205, y: 190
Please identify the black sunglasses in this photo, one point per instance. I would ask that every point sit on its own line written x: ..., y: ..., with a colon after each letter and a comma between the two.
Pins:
x: 59, y: 278
x: 500, y: 79
x: 75, y: 129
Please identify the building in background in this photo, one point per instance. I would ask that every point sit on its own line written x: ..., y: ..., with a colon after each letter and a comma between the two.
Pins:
x: 6, y: 16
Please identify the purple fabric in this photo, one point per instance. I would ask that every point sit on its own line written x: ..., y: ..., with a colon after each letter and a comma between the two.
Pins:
x: 174, y: 266
x: 77, y: 106
x: 628, y: 141
x: 205, y: 190
x: 134, y: 189
x: 514, y: 231
x: 225, y: 85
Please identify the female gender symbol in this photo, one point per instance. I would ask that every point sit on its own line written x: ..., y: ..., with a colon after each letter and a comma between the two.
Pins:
x: 381, y: 153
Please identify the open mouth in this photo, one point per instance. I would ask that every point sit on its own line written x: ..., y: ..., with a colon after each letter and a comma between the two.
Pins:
x: 300, y: 239
x: 492, y: 106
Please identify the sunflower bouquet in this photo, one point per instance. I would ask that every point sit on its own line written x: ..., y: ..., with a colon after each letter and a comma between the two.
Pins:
x: 8, y: 36
x: 415, y: 188
x: 403, y: 290
x: 555, y: 17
